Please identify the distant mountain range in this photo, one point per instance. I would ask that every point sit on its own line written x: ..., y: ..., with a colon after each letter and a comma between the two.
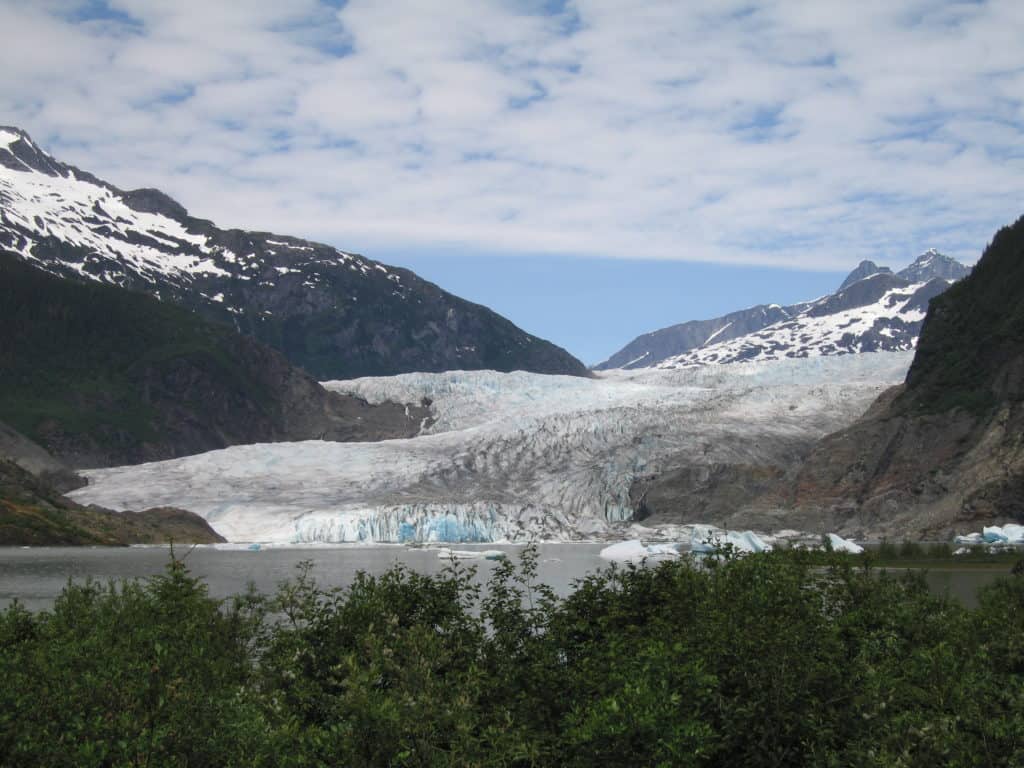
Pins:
x: 874, y: 309
x: 336, y: 314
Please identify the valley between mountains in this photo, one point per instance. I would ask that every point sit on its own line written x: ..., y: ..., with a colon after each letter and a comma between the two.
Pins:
x: 283, y: 391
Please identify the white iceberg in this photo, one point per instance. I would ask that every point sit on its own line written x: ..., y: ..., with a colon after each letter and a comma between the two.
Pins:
x: 471, y: 554
x: 1008, y: 535
x: 746, y: 541
x: 1003, y: 534
x: 707, y: 539
x: 635, y: 551
x: 969, y: 540
x: 993, y: 534
x: 839, y: 544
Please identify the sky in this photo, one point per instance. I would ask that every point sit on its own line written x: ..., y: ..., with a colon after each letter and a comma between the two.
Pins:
x: 591, y: 169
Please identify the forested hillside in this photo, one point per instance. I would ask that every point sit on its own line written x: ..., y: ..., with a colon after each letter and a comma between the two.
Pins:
x: 98, y: 375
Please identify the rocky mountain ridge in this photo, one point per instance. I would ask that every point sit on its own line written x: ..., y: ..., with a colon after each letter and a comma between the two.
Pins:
x: 874, y: 309
x: 334, y: 313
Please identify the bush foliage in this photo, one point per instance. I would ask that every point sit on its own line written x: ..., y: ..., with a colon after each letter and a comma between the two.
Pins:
x: 768, y: 660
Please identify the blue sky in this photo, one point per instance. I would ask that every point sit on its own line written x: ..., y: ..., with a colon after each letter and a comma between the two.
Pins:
x: 747, y: 151
x: 593, y: 307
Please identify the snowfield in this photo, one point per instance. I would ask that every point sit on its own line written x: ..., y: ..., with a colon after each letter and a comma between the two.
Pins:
x: 510, y: 456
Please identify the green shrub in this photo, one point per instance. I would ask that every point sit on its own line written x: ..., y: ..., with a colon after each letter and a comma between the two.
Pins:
x: 769, y: 660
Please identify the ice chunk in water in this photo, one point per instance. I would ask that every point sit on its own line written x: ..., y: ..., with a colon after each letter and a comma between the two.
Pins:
x: 635, y: 552
x: 839, y: 544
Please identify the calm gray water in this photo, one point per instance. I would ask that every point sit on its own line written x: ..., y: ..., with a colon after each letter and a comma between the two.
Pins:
x: 36, y: 576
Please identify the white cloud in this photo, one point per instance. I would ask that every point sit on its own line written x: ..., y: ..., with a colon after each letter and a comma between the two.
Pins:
x: 792, y: 133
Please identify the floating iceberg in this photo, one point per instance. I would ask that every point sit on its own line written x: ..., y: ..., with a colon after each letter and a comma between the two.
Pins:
x: 1009, y: 535
x: 839, y: 544
x: 1005, y: 534
x: 969, y: 540
x: 706, y: 539
x: 636, y: 551
x: 471, y: 554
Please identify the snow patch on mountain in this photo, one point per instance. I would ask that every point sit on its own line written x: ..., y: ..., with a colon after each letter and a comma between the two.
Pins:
x: 93, y: 217
x: 113, y: 240
x: 865, y: 319
x: 893, y: 316
x: 510, y: 455
x: 331, y: 312
x: 7, y: 138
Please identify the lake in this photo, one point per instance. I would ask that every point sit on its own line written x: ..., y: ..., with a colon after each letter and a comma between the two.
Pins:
x: 36, y: 576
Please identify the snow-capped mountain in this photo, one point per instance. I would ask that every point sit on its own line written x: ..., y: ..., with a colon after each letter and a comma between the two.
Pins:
x: 932, y: 264
x: 335, y: 313
x: 874, y: 309
x: 510, y: 455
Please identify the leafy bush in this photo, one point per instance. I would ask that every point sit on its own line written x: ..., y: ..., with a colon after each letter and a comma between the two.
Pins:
x: 153, y: 673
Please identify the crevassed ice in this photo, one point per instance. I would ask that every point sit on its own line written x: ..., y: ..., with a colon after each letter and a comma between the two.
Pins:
x: 511, y: 456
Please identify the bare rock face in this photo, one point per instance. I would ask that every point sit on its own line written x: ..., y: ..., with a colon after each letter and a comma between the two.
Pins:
x: 33, y: 458
x: 929, y: 475
x: 718, y: 494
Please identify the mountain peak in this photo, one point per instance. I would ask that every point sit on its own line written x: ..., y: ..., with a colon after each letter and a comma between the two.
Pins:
x: 864, y: 269
x: 12, y: 133
x: 932, y: 264
x: 18, y: 152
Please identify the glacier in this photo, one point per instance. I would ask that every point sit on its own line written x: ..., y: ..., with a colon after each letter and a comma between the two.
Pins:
x: 508, y: 456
